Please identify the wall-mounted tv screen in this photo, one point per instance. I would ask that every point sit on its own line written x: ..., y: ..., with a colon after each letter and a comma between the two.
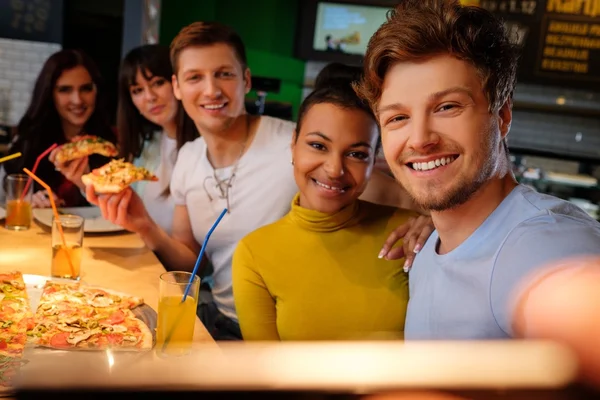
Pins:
x: 338, y: 30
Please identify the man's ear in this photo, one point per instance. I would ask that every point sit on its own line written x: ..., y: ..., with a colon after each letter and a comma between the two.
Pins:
x: 505, y: 118
x: 176, y: 89
x: 247, y: 80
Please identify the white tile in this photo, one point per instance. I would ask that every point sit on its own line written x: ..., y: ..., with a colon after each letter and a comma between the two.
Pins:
x: 4, y: 63
x: 4, y: 83
x: 15, y: 95
x: 35, y: 69
x: 20, y: 66
x: 6, y: 43
x: 12, y: 74
x: 30, y: 56
x: 29, y: 76
x: 24, y: 45
x: 13, y: 55
x: 21, y: 86
x: 15, y: 116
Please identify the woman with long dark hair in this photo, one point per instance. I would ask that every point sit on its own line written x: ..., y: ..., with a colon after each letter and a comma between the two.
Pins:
x: 67, y: 101
x: 152, y: 125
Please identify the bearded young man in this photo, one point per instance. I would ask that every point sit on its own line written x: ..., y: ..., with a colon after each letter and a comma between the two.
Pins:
x: 440, y: 77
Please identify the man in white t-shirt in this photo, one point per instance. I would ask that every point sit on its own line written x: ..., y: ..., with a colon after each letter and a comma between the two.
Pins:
x: 240, y: 162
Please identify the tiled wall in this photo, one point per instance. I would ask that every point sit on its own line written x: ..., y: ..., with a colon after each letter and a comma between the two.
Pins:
x: 20, y: 64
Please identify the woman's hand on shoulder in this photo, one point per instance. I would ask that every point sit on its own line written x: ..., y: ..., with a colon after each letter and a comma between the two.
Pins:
x: 414, y: 233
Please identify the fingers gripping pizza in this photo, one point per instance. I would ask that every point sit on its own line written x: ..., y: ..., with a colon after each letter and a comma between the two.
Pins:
x: 85, y: 146
x: 115, y: 176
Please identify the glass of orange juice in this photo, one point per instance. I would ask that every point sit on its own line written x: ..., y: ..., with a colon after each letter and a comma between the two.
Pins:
x: 18, y: 205
x: 176, y: 319
x: 67, y: 246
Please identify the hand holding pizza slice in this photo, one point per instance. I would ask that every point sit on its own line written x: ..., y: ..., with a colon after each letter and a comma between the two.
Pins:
x: 115, y: 176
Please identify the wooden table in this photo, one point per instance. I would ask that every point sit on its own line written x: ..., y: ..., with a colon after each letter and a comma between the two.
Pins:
x: 117, y: 261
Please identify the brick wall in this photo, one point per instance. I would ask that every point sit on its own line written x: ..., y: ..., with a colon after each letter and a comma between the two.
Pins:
x: 20, y: 64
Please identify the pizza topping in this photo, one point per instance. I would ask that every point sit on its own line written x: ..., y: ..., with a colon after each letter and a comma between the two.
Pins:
x: 59, y: 340
x: 16, y: 284
x: 114, y: 338
x: 5, y: 324
x: 7, y: 287
x: 102, y: 301
x: 78, y: 337
x: 115, y: 328
x: 84, y: 146
x: 130, y: 338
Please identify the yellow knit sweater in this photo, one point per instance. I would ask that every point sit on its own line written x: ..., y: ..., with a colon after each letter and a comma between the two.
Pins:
x: 315, y: 276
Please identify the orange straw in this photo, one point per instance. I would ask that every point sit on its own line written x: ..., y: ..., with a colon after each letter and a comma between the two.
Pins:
x: 35, y: 166
x: 56, y: 216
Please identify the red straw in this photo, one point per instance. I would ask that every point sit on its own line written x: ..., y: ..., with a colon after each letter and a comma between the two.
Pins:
x: 34, y: 169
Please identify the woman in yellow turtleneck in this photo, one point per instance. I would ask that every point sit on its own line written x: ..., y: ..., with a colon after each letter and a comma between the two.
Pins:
x: 315, y: 274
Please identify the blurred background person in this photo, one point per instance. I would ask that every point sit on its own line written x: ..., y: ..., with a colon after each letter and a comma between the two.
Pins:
x: 67, y: 101
x: 152, y: 125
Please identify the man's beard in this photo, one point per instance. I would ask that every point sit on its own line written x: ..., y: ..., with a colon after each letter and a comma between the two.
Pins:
x: 460, y: 193
x: 463, y: 186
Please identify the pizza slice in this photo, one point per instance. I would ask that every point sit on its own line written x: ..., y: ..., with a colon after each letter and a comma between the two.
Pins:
x: 85, y: 146
x: 15, y: 319
x: 115, y: 176
x: 58, y: 294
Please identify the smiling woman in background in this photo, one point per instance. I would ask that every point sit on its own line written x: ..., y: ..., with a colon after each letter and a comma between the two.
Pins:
x: 67, y: 101
x: 315, y: 274
x: 152, y: 125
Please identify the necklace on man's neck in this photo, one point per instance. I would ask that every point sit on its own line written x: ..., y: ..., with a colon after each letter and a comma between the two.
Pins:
x: 225, y: 184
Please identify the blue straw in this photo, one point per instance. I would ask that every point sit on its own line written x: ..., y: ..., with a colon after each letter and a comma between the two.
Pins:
x: 199, y: 260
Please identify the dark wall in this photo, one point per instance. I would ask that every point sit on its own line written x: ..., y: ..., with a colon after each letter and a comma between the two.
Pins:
x: 96, y: 27
x: 268, y: 28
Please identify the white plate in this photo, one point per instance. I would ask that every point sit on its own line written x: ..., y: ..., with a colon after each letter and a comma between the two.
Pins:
x: 2, y: 213
x: 94, y: 223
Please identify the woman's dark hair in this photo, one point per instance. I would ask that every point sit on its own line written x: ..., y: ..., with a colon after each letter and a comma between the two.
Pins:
x: 40, y: 127
x: 150, y: 60
x: 333, y: 85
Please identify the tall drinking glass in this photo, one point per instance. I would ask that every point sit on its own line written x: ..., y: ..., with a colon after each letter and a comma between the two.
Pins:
x: 18, y: 210
x: 66, y: 260
x: 176, y: 319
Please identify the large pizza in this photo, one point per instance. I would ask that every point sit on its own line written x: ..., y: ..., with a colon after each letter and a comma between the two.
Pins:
x: 68, y: 316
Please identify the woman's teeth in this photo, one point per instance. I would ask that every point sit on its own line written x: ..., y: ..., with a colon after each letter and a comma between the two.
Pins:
x: 213, y: 106
x: 433, y: 164
x: 339, y: 189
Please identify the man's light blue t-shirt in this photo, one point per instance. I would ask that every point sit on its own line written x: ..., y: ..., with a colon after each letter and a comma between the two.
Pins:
x: 466, y: 293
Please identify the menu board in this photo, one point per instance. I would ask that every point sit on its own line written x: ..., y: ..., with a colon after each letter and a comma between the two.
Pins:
x: 36, y: 20
x: 559, y: 39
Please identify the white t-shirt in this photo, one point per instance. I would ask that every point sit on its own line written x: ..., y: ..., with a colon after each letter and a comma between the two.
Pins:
x: 261, y: 193
x: 158, y: 156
